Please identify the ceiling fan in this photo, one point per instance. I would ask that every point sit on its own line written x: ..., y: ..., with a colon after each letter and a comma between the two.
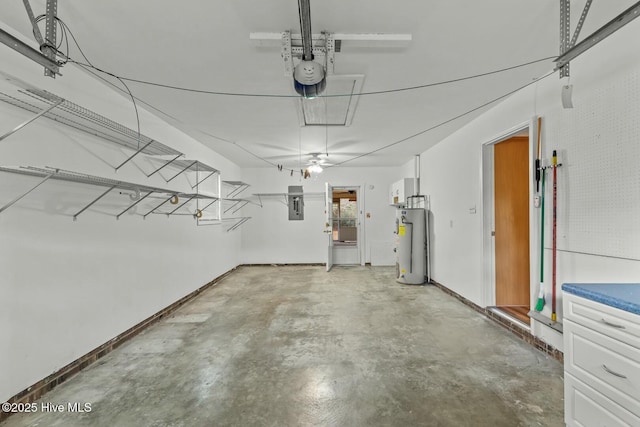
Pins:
x: 315, y: 163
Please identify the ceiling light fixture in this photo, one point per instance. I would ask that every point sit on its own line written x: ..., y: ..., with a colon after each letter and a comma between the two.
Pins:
x: 315, y: 168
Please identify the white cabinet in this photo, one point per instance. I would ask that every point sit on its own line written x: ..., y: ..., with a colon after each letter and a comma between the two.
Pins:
x: 601, y: 363
x: 400, y: 190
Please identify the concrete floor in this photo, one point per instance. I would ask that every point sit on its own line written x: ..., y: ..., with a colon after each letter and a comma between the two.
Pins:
x: 296, y: 346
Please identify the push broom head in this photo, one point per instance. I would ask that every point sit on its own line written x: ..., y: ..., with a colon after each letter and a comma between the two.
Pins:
x: 540, y: 303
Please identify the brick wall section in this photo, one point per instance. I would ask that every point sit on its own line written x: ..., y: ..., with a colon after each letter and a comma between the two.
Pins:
x: 512, y: 327
x: 37, y: 390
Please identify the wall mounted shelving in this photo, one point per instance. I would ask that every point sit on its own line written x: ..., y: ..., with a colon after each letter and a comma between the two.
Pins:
x: 138, y: 192
x: 18, y: 93
x: 284, y: 196
x: 237, y: 222
x: 236, y: 187
x: 15, y: 92
x: 230, y: 203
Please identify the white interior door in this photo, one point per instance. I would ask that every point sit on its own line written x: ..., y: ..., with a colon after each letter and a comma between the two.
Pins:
x: 329, y: 223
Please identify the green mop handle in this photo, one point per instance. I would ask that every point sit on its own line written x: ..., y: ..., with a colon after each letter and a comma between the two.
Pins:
x: 542, y: 230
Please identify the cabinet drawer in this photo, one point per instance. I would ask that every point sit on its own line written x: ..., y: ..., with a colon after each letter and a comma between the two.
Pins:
x: 608, y: 365
x: 611, y: 321
x: 585, y: 407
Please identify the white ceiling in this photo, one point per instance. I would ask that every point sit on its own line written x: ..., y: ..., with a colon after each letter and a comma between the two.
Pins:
x: 204, y: 44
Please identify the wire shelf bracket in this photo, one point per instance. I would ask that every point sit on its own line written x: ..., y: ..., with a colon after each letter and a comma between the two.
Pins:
x: 80, y: 178
x: 75, y: 217
x: 285, y: 196
x: 21, y: 125
x: 23, y: 95
x: 135, y: 203
x: 239, y: 187
x: 17, y: 199
x: 157, y: 207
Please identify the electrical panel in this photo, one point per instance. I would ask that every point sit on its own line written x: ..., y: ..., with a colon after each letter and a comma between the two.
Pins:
x: 296, y: 203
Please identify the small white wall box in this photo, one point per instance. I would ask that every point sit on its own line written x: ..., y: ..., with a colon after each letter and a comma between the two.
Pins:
x: 399, y: 191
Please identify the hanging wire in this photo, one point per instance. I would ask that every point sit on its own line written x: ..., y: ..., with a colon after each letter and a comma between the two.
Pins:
x: 379, y: 92
x: 300, y: 148
x: 326, y: 127
x: 444, y: 122
x: 66, y: 58
x: 378, y: 149
x: 88, y: 66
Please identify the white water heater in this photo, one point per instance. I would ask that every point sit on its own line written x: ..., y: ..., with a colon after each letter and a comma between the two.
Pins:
x: 411, y: 248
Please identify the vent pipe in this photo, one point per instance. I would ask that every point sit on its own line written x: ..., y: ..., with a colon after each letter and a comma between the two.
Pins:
x: 416, y: 179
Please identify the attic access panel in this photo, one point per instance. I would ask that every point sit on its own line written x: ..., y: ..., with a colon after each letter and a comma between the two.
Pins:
x: 336, y: 106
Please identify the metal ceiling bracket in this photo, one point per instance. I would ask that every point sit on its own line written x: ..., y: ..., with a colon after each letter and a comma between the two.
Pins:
x: 322, y: 44
x: 188, y: 167
x: 17, y: 199
x: 565, y: 34
x: 597, y: 36
x: 40, y: 114
x: 583, y: 16
x: 286, y: 53
x: 165, y: 165
x: 19, y: 46
x: 36, y: 30
x: 329, y: 46
x: 133, y: 155
x: 75, y: 217
x: 135, y: 203
x: 50, y: 40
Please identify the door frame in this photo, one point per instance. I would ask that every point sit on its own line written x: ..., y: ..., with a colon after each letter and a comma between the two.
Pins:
x: 328, y: 207
x: 360, y: 223
x: 488, y: 214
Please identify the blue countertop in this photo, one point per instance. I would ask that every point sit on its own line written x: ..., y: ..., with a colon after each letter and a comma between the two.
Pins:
x: 625, y: 296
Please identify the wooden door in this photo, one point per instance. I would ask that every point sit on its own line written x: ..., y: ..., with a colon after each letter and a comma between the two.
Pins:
x: 511, y: 181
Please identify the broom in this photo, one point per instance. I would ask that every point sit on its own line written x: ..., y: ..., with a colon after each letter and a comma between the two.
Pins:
x: 540, y: 303
x: 540, y: 171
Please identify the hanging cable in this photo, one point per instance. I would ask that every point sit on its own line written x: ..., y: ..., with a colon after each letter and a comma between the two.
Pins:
x: 379, y: 92
x: 65, y: 28
x: 442, y: 123
x: 88, y: 66
x: 370, y: 152
x: 326, y: 127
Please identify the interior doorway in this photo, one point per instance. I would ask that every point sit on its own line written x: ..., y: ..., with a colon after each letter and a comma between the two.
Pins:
x: 511, y: 227
x: 345, y: 233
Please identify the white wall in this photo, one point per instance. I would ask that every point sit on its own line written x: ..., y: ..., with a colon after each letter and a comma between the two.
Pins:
x: 67, y: 287
x: 269, y: 237
x: 599, y: 182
